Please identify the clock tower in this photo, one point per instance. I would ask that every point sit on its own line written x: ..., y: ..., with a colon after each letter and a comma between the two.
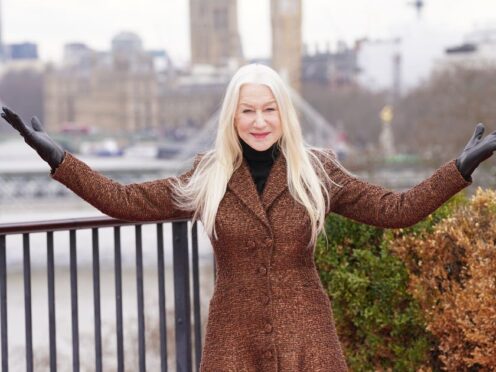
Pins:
x: 214, y: 32
x: 286, y: 21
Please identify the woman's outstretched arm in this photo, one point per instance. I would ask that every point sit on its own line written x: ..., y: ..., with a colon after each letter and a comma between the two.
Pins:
x: 378, y: 206
x: 148, y: 201
x: 375, y: 205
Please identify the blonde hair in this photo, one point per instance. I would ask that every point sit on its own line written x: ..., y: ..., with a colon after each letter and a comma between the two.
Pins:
x: 206, y: 187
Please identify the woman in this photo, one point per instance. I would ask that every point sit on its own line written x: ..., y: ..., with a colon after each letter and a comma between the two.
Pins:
x: 262, y: 195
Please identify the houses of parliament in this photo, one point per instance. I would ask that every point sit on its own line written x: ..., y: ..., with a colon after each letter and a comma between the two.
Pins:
x: 128, y: 89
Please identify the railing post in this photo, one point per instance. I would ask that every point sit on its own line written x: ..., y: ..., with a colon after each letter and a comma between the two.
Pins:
x: 96, y: 299
x: 3, y: 299
x: 140, y: 300
x: 118, y: 299
x: 181, y: 296
x: 161, y: 297
x: 51, y: 302
x: 74, y: 300
x: 196, y: 295
x: 27, y: 302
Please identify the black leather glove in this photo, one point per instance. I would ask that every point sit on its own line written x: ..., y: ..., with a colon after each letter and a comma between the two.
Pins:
x: 36, y: 137
x: 476, y: 151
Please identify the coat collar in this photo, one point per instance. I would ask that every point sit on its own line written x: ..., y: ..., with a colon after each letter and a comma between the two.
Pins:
x: 243, y: 186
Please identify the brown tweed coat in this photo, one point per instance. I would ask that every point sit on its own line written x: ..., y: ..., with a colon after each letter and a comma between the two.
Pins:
x: 269, y: 310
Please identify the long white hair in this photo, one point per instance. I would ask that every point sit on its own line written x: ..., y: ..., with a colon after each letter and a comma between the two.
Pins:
x: 204, y: 190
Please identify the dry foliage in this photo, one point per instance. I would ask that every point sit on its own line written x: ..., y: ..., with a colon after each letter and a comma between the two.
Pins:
x: 453, y: 276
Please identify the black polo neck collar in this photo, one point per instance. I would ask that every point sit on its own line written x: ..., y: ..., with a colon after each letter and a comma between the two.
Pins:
x: 252, y: 155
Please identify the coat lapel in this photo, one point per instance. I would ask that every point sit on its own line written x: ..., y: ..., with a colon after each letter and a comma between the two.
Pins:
x: 243, y: 186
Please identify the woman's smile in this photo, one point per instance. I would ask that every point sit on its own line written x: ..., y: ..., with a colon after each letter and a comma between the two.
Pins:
x: 260, y: 135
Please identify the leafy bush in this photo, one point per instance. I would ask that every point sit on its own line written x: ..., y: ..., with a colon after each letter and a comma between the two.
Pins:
x: 453, y: 277
x: 419, y: 298
x: 379, y: 324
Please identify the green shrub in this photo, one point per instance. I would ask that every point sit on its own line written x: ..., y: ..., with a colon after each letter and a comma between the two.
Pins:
x: 380, y: 325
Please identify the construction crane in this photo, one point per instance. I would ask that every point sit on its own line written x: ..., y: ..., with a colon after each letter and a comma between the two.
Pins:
x: 418, y: 4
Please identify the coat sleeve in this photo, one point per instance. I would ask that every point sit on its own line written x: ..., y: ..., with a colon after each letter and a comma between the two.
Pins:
x: 147, y: 201
x: 375, y: 205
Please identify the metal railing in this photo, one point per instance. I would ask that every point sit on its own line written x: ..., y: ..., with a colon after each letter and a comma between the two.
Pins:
x: 181, y: 272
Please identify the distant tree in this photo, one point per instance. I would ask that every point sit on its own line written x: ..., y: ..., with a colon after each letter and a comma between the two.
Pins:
x: 354, y: 109
x: 439, y: 116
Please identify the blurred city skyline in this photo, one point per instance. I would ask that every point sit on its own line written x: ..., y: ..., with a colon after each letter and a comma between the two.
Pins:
x: 369, y: 56
x: 165, y: 25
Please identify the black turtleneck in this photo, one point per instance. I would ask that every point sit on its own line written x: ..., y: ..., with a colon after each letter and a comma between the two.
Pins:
x: 259, y: 162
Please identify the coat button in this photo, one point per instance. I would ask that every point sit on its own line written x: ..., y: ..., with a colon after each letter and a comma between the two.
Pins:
x: 265, y: 299
x: 262, y: 270
x: 268, y: 242
x: 268, y: 328
x: 268, y: 354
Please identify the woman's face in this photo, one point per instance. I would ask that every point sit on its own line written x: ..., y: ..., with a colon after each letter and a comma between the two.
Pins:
x: 257, y: 118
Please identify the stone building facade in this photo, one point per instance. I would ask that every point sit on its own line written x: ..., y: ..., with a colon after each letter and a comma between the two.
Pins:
x: 111, y: 92
x: 121, y: 92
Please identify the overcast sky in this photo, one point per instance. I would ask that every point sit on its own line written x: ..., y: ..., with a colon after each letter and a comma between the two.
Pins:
x: 164, y: 23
